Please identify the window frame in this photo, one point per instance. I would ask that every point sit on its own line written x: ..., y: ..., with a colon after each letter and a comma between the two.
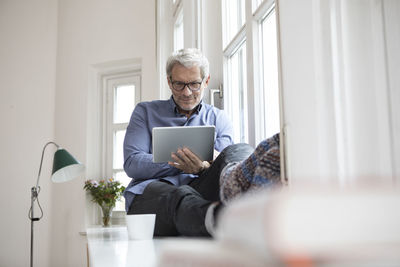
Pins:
x: 109, y: 127
x: 250, y: 32
x: 261, y: 14
x: 227, y: 39
x: 179, y: 24
x: 235, y: 47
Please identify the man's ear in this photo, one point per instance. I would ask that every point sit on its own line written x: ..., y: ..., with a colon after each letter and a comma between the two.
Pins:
x: 169, y: 82
x: 207, y: 80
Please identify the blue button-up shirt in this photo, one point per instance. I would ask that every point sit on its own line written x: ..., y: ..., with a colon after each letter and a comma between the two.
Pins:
x: 138, y: 158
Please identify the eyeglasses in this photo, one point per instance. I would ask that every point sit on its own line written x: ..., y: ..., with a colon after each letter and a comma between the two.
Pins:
x: 179, y: 86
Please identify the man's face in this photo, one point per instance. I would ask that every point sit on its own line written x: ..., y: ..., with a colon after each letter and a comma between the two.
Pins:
x: 187, y: 99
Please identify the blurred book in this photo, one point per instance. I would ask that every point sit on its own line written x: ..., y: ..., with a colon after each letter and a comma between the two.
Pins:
x: 316, y: 226
x: 321, y: 226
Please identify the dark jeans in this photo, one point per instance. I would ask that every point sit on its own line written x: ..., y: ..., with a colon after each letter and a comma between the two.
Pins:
x: 180, y: 210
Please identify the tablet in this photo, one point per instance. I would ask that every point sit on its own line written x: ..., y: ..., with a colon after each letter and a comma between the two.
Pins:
x: 199, y: 139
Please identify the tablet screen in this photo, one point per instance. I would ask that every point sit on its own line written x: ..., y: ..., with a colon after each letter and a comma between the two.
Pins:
x: 199, y: 139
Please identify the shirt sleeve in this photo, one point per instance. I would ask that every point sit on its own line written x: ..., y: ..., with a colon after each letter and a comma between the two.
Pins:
x: 138, y: 160
x: 224, y: 131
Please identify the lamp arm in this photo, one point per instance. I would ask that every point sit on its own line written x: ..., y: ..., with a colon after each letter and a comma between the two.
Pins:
x: 41, y: 162
x: 34, y: 197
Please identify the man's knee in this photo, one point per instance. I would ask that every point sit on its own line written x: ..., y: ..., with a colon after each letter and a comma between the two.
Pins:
x: 237, y: 152
x: 233, y: 153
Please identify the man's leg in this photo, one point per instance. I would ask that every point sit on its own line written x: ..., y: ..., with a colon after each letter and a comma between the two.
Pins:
x: 179, y: 210
x: 208, y: 182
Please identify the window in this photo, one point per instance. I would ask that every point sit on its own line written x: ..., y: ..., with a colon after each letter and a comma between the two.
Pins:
x: 121, y: 96
x: 235, y: 70
x: 115, y: 89
x: 178, y: 27
x: 237, y: 84
x: 251, y: 68
x: 243, y: 39
x: 234, y: 18
x: 270, y: 90
x: 178, y: 32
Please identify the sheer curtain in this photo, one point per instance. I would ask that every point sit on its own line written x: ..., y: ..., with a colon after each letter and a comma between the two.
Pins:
x: 340, y: 89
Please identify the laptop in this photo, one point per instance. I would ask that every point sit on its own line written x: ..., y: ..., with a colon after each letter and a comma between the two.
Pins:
x: 199, y: 139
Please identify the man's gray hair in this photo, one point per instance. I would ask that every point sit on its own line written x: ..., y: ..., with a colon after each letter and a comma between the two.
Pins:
x: 188, y: 57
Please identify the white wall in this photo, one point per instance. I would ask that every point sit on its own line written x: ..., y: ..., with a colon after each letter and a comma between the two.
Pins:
x: 27, y: 74
x: 165, y: 43
x: 212, y: 39
x: 92, y: 32
x: 47, y: 50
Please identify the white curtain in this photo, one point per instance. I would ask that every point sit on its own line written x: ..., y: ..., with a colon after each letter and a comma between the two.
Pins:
x: 340, y: 69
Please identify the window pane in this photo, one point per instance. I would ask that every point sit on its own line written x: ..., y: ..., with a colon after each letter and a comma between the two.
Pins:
x: 125, y: 180
x: 124, y: 101
x: 178, y: 33
x: 270, y: 68
x: 118, y: 158
x: 238, y: 93
x: 234, y: 18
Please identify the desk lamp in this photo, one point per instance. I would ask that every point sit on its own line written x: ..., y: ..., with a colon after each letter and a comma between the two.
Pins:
x: 65, y: 168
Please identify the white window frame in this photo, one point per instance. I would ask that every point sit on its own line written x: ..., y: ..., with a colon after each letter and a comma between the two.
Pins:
x: 229, y: 50
x: 250, y: 33
x: 179, y: 26
x: 262, y: 13
x: 110, y: 82
x: 109, y: 126
x: 95, y: 164
x: 232, y: 49
x: 179, y: 36
x: 227, y: 39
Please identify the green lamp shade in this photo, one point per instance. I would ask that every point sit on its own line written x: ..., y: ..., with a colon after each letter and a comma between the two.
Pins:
x: 65, y: 167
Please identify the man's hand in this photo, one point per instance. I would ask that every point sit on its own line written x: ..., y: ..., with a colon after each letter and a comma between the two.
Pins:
x: 187, y: 161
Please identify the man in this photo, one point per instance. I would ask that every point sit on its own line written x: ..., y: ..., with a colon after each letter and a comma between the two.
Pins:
x: 182, y: 192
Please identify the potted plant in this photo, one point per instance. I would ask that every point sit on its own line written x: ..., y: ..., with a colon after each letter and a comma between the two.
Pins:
x: 105, y: 193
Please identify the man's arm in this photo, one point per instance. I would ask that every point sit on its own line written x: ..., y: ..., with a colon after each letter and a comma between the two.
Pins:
x: 138, y: 161
x: 224, y: 131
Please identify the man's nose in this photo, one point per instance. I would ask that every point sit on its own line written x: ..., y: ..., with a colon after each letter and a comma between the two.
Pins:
x: 186, y: 90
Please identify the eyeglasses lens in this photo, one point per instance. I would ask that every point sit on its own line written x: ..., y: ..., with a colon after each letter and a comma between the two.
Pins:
x: 179, y: 86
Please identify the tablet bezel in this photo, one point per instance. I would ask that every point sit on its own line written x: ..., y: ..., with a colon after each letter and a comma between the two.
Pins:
x: 199, y: 139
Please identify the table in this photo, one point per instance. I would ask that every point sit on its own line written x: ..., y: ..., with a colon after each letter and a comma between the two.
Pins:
x: 111, y: 247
